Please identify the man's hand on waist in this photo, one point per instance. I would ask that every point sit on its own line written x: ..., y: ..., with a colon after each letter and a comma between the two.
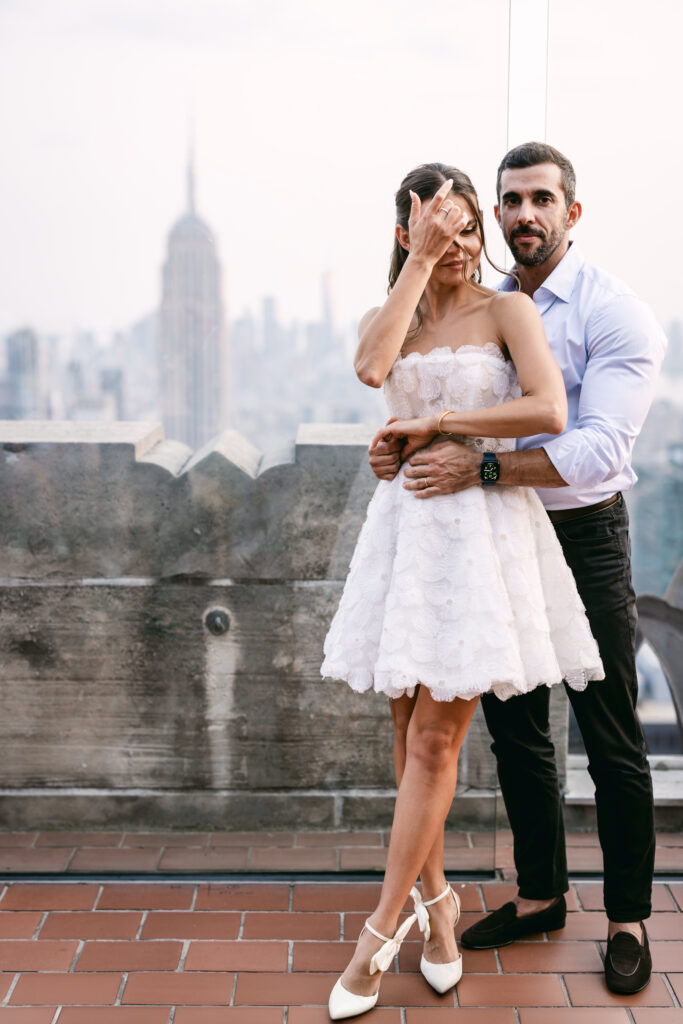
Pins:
x: 443, y: 468
x: 448, y: 466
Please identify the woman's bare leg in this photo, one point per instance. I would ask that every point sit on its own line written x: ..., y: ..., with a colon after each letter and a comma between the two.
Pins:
x: 441, y: 947
x: 432, y: 871
x: 435, y: 735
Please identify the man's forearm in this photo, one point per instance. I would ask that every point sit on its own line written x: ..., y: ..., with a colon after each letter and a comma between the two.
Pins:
x: 530, y: 468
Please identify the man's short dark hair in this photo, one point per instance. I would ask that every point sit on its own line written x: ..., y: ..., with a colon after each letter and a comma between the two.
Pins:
x: 530, y: 154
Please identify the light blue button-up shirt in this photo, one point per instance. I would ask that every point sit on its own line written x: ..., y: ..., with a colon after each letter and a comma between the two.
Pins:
x: 610, y: 348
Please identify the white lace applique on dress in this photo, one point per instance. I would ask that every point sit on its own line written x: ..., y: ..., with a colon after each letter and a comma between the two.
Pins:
x: 464, y: 593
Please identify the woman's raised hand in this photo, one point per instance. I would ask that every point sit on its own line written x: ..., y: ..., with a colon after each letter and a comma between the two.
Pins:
x: 434, y: 226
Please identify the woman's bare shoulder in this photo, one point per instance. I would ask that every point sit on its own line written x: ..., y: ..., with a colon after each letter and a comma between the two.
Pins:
x: 506, y: 304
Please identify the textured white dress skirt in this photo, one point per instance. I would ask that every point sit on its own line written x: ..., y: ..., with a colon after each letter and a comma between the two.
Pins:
x: 465, y: 593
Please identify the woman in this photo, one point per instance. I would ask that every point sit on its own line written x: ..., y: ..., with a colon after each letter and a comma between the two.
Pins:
x: 453, y: 597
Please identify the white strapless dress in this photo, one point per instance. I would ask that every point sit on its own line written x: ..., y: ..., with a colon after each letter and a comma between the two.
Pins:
x: 465, y: 593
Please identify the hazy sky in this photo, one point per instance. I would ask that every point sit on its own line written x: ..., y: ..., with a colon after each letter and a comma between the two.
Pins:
x: 307, y: 115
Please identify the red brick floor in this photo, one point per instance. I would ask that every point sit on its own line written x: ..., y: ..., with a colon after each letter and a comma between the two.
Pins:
x: 261, y: 952
x: 194, y: 853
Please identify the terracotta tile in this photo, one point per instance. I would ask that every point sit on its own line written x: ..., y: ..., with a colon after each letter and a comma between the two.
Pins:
x: 47, y: 896
x: 14, y: 839
x: 582, y: 926
x: 76, y: 839
x: 669, y: 1015
x: 474, y: 961
x: 555, y: 957
x: 27, y: 1014
x: 184, y: 989
x: 339, y: 839
x: 30, y: 860
x: 590, y: 894
x: 363, y: 858
x: 484, y: 839
x: 130, y: 956
x: 37, y: 956
x: 677, y: 892
x: 511, y: 990
x: 139, y: 896
x: 282, y: 989
x: 584, y: 858
x: 666, y: 956
x: 237, y: 956
x: 291, y: 926
x: 114, y: 860
x: 411, y: 990
x: 669, y: 858
x: 263, y: 858
x: 582, y: 839
x: 18, y: 925
x: 469, y: 895
x: 243, y: 896
x: 229, y: 1015
x: 662, y: 898
x: 445, y: 1015
x: 574, y: 1015
x: 322, y: 956
x: 479, y: 858
x: 141, y: 839
x: 245, y: 839
x: 195, y: 924
x: 676, y: 981
x: 590, y: 990
x: 319, y: 1015
x: 670, y: 838
x: 665, y: 926
x: 181, y: 858
x: 341, y: 896
x: 106, y: 924
x: 115, y: 1015
x: 53, y: 989
x: 5, y: 983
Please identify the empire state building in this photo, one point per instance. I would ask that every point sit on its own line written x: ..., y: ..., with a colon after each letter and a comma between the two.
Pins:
x: 194, y: 343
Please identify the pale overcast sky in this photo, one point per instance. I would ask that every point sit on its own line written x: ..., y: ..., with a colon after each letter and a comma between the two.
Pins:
x: 307, y: 115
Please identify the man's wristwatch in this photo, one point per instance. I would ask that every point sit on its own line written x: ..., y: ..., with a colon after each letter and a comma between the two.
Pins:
x: 489, y: 471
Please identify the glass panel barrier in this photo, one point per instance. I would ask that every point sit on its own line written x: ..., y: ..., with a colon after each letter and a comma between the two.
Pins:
x: 201, y: 210
x: 610, y: 90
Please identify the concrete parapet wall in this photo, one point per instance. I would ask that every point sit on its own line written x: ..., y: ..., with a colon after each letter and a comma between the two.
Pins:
x: 162, y: 617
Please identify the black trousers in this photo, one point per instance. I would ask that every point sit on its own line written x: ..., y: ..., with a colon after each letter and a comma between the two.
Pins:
x: 597, y: 549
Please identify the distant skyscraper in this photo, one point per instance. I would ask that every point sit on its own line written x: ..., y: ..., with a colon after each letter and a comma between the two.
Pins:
x: 24, y: 377
x: 194, y: 344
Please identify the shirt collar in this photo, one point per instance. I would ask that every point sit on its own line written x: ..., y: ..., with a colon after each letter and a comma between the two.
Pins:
x: 560, y: 283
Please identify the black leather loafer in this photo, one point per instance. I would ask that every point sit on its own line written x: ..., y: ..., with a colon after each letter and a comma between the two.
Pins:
x: 628, y: 963
x: 503, y: 926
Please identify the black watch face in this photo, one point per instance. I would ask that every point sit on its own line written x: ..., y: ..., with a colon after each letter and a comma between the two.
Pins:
x: 490, y: 471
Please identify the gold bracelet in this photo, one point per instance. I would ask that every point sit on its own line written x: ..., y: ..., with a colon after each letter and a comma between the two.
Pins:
x: 444, y: 413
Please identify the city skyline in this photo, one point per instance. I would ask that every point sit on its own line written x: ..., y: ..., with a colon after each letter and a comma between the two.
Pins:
x: 303, y: 131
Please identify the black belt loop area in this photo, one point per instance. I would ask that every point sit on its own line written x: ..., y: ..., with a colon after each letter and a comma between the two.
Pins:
x: 563, y: 515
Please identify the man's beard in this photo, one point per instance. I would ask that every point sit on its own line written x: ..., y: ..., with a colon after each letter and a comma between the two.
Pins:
x: 540, y: 255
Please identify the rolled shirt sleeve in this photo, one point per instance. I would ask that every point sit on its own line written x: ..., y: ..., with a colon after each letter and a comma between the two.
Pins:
x: 625, y: 347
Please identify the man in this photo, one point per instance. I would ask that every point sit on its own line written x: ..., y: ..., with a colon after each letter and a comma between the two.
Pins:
x: 609, y: 349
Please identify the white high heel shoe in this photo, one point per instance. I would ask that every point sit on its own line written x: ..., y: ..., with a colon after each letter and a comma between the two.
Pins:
x: 343, y: 1003
x: 440, y: 976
